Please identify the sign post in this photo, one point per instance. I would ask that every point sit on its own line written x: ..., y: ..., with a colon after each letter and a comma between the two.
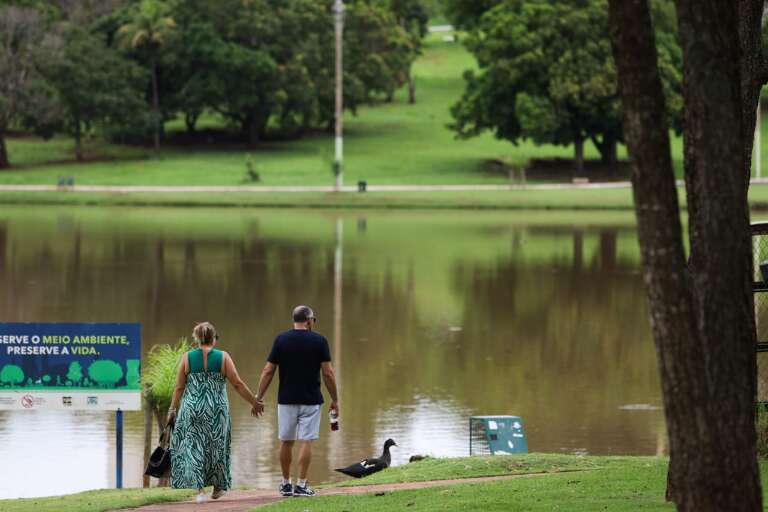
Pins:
x: 119, y: 449
x: 71, y: 366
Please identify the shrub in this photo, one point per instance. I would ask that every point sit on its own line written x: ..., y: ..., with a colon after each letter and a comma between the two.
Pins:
x: 159, y: 377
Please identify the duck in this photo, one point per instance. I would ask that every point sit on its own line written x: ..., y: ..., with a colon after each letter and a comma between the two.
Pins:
x: 371, y: 465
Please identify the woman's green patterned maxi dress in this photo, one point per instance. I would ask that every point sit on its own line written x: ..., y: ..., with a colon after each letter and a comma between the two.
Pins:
x: 200, y: 445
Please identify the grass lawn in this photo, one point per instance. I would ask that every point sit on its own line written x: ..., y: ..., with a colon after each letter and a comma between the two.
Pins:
x: 500, y: 465
x: 95, y: 501
x: 609, y: 483
x: 384, y: 144
x: 562, y: 482
x: 635, y: 485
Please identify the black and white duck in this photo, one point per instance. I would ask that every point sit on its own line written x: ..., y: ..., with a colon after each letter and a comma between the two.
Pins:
x: 370, y: 466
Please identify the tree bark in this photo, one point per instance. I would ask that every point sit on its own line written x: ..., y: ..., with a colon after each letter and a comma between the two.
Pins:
x: 608, y: 150
x: 578, y: 154
x: 701, y: 312
x: 4, y: 162
x: 411, y: 87
x: 254, y: 127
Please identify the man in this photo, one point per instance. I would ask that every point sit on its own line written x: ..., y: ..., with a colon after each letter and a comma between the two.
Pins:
x: 301, y: 355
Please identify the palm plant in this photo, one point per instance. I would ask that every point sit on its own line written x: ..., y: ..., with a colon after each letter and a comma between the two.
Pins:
x: 158, y: 381
x: 159, y: 376
x: 147, y: 33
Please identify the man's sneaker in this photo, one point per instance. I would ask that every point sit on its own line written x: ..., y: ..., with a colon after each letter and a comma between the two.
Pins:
x: 305, y: 491
x: 286, y: 489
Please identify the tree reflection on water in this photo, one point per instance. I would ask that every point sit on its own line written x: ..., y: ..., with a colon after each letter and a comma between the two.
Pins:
x: 444, y: 315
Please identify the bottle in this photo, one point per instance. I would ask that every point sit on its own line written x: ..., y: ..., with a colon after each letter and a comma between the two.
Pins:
x: 334, y: 417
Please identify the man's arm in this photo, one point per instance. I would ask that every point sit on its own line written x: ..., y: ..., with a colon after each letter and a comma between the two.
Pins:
x: 264, y: 381
x: 329, y: 378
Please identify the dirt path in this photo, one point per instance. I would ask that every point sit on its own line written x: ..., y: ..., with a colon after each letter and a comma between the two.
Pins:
x: 242, y: 501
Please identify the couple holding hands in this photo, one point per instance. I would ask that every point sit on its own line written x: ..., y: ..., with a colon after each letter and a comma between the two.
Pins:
x: 200, y: 444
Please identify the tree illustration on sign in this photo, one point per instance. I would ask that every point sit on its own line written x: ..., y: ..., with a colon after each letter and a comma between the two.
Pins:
x: 105, y: 373
x: 75, y: 373
x: 132, y: 373
x: 11, y: 374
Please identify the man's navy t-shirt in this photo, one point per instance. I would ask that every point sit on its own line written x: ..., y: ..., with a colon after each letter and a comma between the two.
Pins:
x: 298, y: 354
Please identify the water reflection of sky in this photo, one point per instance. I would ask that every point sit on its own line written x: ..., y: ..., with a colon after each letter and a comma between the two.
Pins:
x: 47, y: 453
x: 443, y: 316
x: 437, y: 428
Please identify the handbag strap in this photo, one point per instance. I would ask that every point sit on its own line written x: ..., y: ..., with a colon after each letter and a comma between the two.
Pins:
x: 165, y: 435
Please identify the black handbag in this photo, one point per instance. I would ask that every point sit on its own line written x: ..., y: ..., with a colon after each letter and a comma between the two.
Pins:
x: 159, y: 464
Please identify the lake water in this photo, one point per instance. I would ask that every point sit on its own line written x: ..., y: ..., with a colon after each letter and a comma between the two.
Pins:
x: 432, y: 317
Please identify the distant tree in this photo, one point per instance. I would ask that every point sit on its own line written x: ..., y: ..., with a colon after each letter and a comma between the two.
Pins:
x: 146, y: 35
x: 556, y: 85
x: 378, y: 50
x: 105, y: 373
x: 93, y: 84
x: 25, y: 99
x: 192, y: 71
x: 465, y: 14
x: 412, y: 15
x: 11, y: 374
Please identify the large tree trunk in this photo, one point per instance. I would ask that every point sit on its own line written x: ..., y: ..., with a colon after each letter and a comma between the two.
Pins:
x: 4, y: 162
x: 155, y: 105
x: 701, y: 313
x: 718, y: 129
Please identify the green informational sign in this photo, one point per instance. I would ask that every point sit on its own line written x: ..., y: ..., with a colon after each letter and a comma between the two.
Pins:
x: 70, y: 366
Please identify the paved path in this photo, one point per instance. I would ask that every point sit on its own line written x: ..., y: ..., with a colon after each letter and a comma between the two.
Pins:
x: 242, y: 501
x: 126, y: 189
x: 120, y: 189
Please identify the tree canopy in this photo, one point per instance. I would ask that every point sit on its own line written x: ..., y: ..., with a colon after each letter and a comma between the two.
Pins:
x: 547, y: 74
x: 266, y: 66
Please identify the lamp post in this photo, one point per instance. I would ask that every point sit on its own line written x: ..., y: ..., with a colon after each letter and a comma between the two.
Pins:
x: 758, y: 140
x: 338, y: 17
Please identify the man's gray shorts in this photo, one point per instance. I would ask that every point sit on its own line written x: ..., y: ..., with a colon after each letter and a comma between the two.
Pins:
x: 298, y: 422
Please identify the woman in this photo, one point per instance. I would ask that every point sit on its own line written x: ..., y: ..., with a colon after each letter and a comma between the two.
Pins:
x: 200, y: 445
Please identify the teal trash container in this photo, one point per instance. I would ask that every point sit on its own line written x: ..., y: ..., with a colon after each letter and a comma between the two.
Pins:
x: 496, y: 435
